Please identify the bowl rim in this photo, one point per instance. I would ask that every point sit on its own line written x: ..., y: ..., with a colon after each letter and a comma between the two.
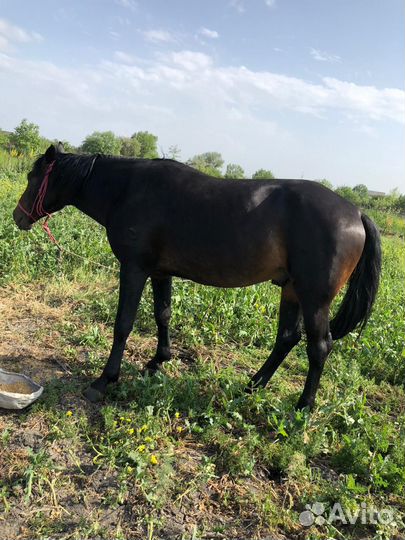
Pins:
x: 36, y: 388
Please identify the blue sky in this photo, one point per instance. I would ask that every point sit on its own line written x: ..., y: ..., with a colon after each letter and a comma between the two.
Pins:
x: 306, y: 88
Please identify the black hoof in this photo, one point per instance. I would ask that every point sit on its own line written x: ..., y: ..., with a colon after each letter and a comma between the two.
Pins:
x: 302, y: 406
x: 254, y: 384
x: 151, y: 368
x: 93, y: 395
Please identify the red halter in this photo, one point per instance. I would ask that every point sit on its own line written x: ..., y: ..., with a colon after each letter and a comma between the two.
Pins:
x: 38, y: 206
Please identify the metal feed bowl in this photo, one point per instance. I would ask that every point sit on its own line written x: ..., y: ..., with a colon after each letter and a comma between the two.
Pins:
x: 14, y: 399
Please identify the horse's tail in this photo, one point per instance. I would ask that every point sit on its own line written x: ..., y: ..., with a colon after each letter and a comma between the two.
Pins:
x: 363, y: 285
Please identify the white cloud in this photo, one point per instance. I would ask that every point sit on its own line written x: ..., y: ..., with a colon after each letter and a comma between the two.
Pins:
x: 129, y: 81
x: 196, y: 74
x: 369, y: 101
x: 270, y: 3
x: 127, y: 4
x: 158, y: 36
x: 124, y: 57
x: 238, y: 5
x: 322, y: 56
x: 191, y: 61
x: 11, y: 34
x: 188, y: 99
x: 367, y: 130
x: 213, y: 34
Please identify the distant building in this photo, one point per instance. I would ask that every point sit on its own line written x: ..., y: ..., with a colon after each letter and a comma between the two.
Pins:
x: 376, y: 194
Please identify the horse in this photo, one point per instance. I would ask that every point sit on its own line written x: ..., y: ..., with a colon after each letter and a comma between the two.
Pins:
x: 164, y: 219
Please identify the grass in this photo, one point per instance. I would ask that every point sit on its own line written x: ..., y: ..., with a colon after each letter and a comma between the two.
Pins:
x: 186, y: 453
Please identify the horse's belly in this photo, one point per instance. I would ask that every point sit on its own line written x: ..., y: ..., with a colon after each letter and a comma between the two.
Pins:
x: 234, y: 269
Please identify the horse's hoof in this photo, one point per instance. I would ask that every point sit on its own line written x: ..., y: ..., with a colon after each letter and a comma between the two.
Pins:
x: 151, y: 368
x: 93, y: 395
x: 253, y: 385
x: 305, y: 406
x: 149, y: 372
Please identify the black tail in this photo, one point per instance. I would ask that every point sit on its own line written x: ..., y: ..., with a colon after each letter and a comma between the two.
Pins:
x: 363, y: 285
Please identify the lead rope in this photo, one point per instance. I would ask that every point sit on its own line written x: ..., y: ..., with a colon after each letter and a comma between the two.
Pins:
x: 63, y: 250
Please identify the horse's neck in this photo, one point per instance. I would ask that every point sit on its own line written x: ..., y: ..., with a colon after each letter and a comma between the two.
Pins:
x: 94, y: 198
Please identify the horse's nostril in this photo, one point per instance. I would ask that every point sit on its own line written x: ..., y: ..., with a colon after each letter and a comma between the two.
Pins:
x: 20, y: 220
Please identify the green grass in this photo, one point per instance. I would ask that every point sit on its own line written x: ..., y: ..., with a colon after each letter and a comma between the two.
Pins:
x: 189, y: 441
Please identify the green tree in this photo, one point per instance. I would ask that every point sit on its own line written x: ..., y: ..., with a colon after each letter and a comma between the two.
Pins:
x: 26, y: 137
x: 348, y: 193
x: 263, y: 174
x: 361, y: 189
x: 130, y: 147
x: 174, y: 152
x: 400, y: 204
x: 102, y: 142
x: 233, y: 170
x: 147, y: 144
x: 5, y: 137
x: 209, y: 163
x: 326, y: 183
x: 392, y: 202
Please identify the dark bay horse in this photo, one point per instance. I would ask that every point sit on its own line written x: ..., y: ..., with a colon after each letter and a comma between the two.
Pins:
x: 166, y: 219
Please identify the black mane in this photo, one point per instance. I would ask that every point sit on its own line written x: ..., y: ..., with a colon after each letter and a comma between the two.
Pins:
x: 75, y: 165
x: 70, y: 165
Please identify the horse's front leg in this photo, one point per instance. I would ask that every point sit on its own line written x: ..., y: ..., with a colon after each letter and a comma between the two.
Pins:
x: 162, y: 293
x: 132, y: 282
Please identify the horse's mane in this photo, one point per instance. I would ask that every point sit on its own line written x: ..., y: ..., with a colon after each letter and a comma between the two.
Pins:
x: 71, y: 165
x: 75, y: 165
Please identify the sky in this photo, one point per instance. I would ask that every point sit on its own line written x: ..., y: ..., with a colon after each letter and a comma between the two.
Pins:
x: 306, y: 88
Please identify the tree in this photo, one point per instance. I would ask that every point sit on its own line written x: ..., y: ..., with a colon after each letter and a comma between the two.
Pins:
x: 147, y: 144
x: 209, y: 163
x: 4, y: 139
x: 392, y: 202
x: 130, y: 147
x: 361, y: 189
x: 102, y: 142
x: 233, y: 170
x: 26, y: 137
x: 348, y: 193
x: 174, y: 152
x: 263, y: 174
x: 400, y: 204
x: 326, y: 183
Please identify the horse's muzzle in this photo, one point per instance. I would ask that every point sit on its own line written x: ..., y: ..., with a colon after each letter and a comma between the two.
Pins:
x: 22, y: 221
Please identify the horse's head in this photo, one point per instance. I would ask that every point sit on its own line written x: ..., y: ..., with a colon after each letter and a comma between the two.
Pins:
x: 41, y: 196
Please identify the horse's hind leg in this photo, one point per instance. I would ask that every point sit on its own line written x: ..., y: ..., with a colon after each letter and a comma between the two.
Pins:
x: 162, y: 292
x: 319, y: 345
x: 288, y: 335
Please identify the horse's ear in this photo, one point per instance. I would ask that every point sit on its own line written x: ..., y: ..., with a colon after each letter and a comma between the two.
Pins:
x: 50, y: 154
x: 59, y: 148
